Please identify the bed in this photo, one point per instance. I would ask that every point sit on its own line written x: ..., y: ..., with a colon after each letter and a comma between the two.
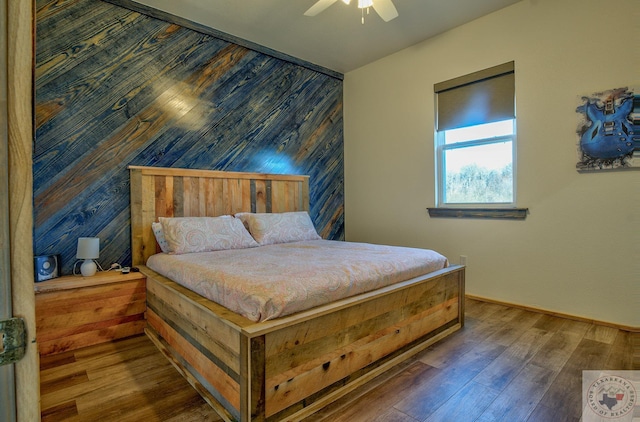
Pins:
x: 288, y: 367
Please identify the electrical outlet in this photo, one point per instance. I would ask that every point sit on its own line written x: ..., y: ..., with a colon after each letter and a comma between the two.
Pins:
x: 463, y: 260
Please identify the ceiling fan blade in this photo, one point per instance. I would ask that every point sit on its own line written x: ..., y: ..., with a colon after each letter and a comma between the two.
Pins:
x: 319, y: 7
x: 385, y: 9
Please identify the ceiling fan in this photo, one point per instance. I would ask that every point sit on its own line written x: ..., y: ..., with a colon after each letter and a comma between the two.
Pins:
x: 384, y: 8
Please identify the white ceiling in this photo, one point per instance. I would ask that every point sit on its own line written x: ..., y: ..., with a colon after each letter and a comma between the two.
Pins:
x: 335, y: 38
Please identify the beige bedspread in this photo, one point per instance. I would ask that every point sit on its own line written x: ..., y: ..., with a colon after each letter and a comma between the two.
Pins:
x: 276, y: 280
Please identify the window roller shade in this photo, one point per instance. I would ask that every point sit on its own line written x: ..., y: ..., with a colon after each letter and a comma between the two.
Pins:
x: 481, y: 97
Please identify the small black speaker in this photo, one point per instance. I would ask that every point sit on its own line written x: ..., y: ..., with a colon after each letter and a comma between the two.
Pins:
x: 47, y: 267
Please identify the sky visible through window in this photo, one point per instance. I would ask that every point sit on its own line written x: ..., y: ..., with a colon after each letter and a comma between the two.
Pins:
x: 492, y: 157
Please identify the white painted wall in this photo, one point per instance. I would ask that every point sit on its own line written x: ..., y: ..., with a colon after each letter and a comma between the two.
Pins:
x: 578, y: 251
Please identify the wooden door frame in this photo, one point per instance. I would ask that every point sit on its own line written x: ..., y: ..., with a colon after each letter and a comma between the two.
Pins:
x: 7, y: 379
x: 20, y: 41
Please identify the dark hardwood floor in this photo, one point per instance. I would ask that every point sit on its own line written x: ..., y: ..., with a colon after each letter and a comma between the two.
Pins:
x: 126, y: 380
x: 506, y: 364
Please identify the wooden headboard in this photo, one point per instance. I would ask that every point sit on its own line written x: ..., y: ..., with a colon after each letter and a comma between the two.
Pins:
x: 174, y: 192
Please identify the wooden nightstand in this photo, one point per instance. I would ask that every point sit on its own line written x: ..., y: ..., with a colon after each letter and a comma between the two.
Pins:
x: 76, y: 311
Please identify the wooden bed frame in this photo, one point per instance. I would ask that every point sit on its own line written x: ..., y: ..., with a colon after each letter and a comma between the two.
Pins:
x: 288, y: 368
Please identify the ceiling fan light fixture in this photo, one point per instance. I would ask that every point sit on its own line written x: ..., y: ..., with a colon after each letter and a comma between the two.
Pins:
x: 384, y: 8
x: 364, y: 4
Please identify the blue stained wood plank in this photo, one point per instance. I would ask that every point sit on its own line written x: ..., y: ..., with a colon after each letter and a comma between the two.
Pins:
x: 82, y: 93
x: 233, y: 134
x: 151, y: 93
x: 227, y: 128
x: 74, y: 31
x: 100, y: 211
x: 98, y: 89
x: 224, y: 36
x: 160, y: 109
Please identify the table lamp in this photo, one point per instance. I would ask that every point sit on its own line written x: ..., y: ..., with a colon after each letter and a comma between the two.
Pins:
x: 88, y: 249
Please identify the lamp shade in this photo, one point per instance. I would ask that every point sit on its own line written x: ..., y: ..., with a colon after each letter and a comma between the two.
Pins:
x: 88, y: 248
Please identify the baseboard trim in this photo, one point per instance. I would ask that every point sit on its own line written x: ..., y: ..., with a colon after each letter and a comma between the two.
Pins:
x: 556, y: 314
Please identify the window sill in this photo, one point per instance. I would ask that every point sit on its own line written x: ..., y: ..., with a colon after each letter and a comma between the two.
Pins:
x: 490, y: 213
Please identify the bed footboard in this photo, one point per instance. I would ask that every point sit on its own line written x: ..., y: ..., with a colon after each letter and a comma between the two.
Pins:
x: 291, y: 367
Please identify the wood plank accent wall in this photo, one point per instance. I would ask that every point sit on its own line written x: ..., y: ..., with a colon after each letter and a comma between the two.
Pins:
x: 115, y: 87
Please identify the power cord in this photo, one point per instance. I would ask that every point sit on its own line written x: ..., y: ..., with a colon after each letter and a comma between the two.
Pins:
x: 115, y: 267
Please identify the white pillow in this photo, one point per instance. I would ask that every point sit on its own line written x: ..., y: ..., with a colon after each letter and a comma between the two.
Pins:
x: 203, y: 234
x: 270, y: 228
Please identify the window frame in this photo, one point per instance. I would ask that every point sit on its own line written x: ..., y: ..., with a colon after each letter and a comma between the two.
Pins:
x: 440, y: 150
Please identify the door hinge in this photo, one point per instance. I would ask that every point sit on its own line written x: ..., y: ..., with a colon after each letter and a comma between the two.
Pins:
x: 13, y: 340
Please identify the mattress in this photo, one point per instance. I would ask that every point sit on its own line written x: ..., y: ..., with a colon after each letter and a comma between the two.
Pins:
x: 272, y: 281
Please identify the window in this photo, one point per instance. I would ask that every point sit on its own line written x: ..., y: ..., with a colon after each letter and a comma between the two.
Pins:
x: 476, y: 164
x: 476, y: 139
